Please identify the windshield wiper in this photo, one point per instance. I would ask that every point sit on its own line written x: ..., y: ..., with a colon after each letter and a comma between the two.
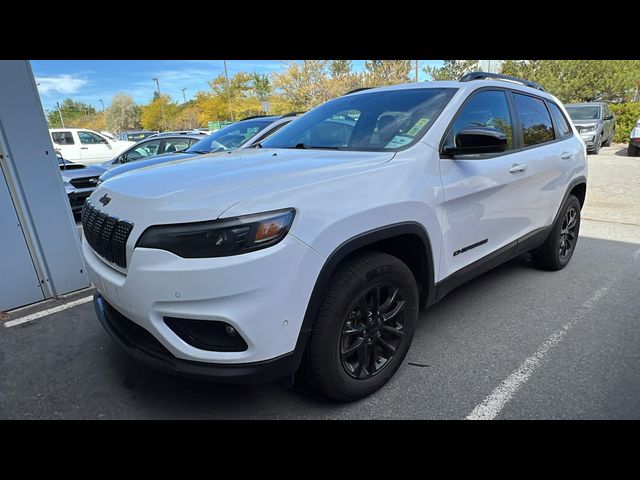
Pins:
x: 197, y: 151
x: 304, y: 145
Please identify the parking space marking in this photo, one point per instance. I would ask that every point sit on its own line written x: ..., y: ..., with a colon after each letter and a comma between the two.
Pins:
x: 494, y: 403
x: 49, y: 311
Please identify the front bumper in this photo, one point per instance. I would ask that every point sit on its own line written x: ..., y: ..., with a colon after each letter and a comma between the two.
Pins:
x: 263, y: 295
x: 143, y: 346
x: 590, y: 139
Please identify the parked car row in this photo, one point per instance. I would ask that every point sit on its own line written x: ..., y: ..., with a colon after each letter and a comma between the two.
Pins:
x: 80, y: 180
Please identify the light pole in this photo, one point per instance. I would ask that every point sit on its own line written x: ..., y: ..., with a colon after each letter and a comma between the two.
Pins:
x: 183, y: 97
x: 102, y: 105
x: 164, y: 120
x: 226, y: 77
x: 60, y: 113
x: 417, y: 61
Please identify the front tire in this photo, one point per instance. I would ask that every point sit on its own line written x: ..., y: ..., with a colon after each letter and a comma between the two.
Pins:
x: 608, y: 142
x: 364, y: 327
x: 597, y: 147
x: 558, y: 249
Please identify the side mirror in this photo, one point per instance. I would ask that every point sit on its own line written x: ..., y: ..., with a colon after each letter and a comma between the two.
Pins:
x: 608, y: 117
x: 122, y: 159
x: 477, y: 140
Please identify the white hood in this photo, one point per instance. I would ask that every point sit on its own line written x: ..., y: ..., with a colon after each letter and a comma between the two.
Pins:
x: 203, y: 188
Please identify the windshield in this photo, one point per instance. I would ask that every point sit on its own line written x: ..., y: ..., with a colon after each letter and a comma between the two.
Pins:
x: 376, y: 121
x: 230, y: 137
x: 584, y: 113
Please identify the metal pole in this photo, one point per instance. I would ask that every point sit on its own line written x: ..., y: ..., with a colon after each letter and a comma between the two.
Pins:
x: 226, y: 76
x: 164, y: 120
x: 102, y: 105
x: 60, y: 113
x: 183, y: 97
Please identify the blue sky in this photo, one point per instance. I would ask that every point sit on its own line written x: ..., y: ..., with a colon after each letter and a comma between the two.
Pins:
x: 91, y: 80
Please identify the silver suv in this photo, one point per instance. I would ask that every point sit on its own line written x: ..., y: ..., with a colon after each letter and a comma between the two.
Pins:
x: 595, y: 123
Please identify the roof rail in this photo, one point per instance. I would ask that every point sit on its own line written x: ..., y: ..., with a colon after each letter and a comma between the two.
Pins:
x: 254, y: 116
x: 357, y: 90
x: 487, y: 75
x: 292, y: 114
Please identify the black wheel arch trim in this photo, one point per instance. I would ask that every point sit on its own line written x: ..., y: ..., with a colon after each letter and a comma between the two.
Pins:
x: 348, y: 247
x: 581, y: 180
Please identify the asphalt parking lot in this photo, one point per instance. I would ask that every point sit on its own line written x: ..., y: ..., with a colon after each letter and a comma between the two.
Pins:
x: 515, y: 343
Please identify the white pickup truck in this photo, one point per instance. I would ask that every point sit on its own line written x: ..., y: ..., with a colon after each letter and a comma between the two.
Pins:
x: 85, y: 146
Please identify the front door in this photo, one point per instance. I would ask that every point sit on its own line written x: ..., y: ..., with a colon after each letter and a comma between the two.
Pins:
x: 93, y: 147
x: 485, y: 201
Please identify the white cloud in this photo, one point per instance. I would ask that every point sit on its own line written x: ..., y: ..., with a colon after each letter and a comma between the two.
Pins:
x: 65, y: 84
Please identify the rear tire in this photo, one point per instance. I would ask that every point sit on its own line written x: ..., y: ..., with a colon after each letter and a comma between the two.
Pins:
x: 364, y: 327
x: 633, y: 151
x: 558, y: 249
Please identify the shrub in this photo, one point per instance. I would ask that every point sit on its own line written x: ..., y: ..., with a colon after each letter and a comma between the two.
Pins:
x: 627, y: 114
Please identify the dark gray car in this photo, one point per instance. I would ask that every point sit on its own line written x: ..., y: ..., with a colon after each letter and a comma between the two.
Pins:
x: 79, y: 181
x: 595, y: 122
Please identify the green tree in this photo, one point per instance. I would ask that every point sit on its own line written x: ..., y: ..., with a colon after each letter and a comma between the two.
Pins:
x: 73, y: 113
x: 122, y: 114
x: 452, y: 69
x: 581, y: 80
x: 340, y: 68
x: 379, y: 73
x: 261, y: 85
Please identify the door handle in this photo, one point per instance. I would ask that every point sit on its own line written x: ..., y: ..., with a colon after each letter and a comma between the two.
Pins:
x: 566, y: 155
x: 518, y: 167
x: 84, y: 148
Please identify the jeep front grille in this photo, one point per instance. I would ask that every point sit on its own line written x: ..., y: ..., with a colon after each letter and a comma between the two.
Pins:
x: 106, y: 235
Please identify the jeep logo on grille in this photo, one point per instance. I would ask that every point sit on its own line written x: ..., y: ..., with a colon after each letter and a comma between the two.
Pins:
x: 105, y: 199
x: 93, y: 180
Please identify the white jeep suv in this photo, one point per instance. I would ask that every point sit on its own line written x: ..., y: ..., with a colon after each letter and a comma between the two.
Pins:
x: 317, y: 251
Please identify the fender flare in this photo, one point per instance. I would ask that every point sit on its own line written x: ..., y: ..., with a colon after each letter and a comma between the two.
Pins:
x: 341, y: 252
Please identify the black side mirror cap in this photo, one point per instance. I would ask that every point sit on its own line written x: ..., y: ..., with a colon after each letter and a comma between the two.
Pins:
x: 476, y: 141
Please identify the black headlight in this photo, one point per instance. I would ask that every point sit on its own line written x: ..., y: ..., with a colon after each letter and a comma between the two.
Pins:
x: 220, y: 238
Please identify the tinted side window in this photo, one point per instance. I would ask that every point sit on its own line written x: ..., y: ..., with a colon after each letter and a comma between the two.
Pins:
x: 485, y: 109
x: 88, y: 138
x: 534, y: 120
x: 62, y: 138
x: 559, y: 119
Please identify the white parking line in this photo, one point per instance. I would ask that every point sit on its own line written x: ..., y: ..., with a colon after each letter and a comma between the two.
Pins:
x: 49, y: 311
x: 494, y: 403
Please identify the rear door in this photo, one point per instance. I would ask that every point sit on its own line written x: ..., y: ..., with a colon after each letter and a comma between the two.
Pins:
x: 67, y: 145
x: 93, y: 147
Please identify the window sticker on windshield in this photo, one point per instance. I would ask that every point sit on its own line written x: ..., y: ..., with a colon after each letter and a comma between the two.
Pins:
x: 398, y: 141
x: 416, y: 128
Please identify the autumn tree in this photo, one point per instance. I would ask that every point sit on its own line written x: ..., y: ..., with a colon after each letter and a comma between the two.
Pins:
x: 452, y: 69
x: 580, y: 80
x: 380, y: 73
x: 159, y: 114
x: 305, y: 85
x: 122, y: 114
